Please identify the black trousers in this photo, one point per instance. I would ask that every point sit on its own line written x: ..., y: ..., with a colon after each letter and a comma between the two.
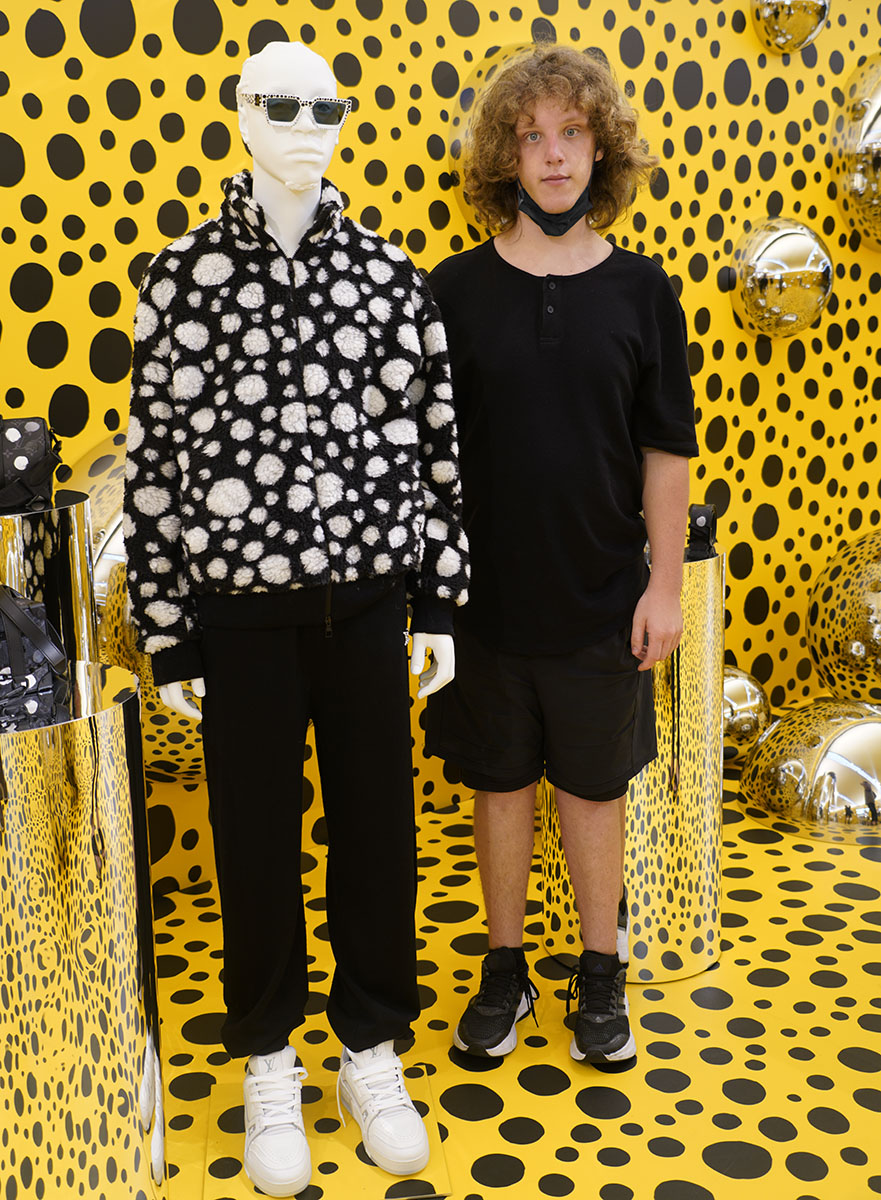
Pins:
x: 266, y: 675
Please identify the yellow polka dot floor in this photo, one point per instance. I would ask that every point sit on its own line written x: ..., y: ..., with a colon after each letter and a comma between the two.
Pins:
x: 764, y: 1071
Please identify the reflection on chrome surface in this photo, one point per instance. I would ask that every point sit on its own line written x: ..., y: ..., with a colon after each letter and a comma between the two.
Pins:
x: 783, y: 277
x: 78, y: 1019
x: 746, y: 713
x: 819, y: 769
x: 856, y: 140
x: 787, y: 26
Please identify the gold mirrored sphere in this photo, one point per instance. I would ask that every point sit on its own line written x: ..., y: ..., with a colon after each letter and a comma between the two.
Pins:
x: 783, y: 277
x: 818, y: 770
x: 787, y: 26
x: 856, y: 139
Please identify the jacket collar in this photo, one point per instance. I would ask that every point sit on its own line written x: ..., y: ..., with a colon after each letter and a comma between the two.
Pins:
x: 243, y: 216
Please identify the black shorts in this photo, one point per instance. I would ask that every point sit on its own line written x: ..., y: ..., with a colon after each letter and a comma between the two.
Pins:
x: 586, y: 719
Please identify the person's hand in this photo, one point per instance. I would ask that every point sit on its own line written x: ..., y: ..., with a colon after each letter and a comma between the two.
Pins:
x: 442, y: 669
x: 657, y: 626
x: 174, y: 697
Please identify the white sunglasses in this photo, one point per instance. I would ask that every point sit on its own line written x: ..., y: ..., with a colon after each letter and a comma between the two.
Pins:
x: 286, y: 110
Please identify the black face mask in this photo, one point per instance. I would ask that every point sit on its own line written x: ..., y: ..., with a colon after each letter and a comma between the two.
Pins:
x: 554, y: 224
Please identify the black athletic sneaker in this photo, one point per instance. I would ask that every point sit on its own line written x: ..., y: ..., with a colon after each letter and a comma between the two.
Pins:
x: 623, y: 943
x: 601, y: 1025
x: 506, y: 994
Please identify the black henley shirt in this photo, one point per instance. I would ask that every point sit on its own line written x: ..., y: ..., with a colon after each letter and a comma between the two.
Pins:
x: 558, y: 381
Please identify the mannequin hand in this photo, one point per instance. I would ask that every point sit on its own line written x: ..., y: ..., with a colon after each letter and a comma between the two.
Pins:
x: 172, y: 696
x: 442, y: 670
x: 657, y: 626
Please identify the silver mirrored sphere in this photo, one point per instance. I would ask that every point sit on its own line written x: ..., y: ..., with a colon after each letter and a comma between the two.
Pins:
x: 746, y: 714
x: 844, y: 621
x: 856, y: 139
x: 787, y: 26
x: 783, y: 277
x: 818, y: 770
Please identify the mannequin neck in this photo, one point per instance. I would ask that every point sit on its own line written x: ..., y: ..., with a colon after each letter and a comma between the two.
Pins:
x: 289, y: 214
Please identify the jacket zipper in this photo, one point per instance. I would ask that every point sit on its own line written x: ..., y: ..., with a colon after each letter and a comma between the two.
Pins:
x: 328, y: 626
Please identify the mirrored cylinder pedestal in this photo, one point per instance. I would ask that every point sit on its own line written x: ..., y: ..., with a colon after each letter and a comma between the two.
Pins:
x: 47, y: 556
x: 672, y: 858
x: 80, y: 1082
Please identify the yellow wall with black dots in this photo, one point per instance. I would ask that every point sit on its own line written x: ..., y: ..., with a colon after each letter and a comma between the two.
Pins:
x: 118, y: 124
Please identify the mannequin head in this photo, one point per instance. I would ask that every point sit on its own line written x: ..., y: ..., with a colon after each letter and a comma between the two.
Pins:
x: 296, y: 155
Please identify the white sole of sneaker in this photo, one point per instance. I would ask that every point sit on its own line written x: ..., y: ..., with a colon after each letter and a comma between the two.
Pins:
x: 627, y: 1051
x: 504, y: 1047
x: 396, y: 1166
x: 285, y: 1187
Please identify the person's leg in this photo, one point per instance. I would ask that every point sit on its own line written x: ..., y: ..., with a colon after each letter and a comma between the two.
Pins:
x: 593, y: 843
x: 504, y: 835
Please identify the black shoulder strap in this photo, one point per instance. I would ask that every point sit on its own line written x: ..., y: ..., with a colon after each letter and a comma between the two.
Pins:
x: 41, y: 642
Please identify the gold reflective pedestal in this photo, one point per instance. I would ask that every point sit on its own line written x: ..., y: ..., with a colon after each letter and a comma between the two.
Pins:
x: 80, y: 1084
x: 672, y: 859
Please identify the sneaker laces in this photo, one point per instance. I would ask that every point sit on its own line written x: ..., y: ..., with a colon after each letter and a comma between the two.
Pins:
x: 279, y: 1102
x: 598, y: 1000
x: 384, y: 1080
x: 498, y: 989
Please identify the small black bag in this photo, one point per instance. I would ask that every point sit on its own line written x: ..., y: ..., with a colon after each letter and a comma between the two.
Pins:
x: 34, y: 686
x: 29, y: 454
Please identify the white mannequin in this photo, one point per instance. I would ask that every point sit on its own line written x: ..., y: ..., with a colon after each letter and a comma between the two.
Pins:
x: 288, y: 164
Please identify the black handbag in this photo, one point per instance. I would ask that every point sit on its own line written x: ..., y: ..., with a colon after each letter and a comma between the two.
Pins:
x: 34, y: 684
x: 29, y: 454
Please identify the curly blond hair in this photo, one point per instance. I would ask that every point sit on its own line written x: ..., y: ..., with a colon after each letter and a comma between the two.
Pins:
x: 573, y: 79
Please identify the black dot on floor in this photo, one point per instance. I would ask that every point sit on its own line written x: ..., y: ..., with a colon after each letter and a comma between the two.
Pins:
x: 472, y: 1102
x: 497, y: 1170
x: 544, y: 1080
x: 737, y: 1160
x: 522, y: 1131
x: 604, y: 1103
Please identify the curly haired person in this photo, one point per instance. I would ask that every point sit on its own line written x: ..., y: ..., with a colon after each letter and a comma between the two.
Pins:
x: 576, y: 420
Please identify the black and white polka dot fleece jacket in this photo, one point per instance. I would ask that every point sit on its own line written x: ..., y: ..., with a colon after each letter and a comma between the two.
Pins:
x: 291, y: 424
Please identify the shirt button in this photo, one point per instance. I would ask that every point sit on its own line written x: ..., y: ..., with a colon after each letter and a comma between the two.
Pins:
x: 550, y: 308
x: 551, y: 286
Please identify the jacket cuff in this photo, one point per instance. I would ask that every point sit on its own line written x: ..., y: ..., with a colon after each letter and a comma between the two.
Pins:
x: 183, y: 661
x: 432, y: 615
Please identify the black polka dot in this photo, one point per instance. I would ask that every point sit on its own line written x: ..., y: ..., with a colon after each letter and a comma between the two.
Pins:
x: 544, y: 1080
x: 497, y: 1170
x: 108, y: 30
x: 31, y: 287
x: 110, y: 355
x: 11, y: 161
x: 472, y: 1102
x: 68, y: 410
x: 47, y: 344
x: 197, y: 25
x: 737, y: 1160
x: 44, y: 33
x: 522, y: 1131
x: 603, y: 1103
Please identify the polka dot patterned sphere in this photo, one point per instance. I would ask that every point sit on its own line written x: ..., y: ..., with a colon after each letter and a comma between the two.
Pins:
x: 819, y: 769
x: 844, y: 622
x: 858, y: 151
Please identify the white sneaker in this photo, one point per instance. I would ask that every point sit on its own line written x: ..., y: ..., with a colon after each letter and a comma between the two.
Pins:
x: 371, y: 1086
x: 277, y: 1155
